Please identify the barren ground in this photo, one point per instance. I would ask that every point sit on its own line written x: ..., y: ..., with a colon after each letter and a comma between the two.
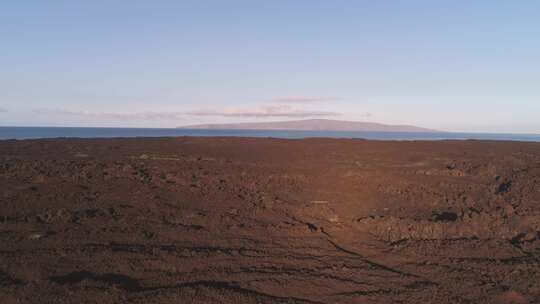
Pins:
x: 244, y: 220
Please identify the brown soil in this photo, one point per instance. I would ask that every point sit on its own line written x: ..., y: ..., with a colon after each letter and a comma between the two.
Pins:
x: 244, y: 220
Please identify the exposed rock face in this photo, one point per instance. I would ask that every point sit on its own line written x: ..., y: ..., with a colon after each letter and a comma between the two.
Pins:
x: 471, y: 225
x: 245, y: 220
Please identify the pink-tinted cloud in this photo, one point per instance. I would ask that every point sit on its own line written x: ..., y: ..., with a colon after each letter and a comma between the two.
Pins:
x: 283, y: 111
x: 147, y: 115
x: 366, y: 115
x: 303, y: 99
x: 265, y: 111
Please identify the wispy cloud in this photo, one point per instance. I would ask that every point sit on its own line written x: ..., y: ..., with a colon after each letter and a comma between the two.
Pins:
x: 366, y: 115
x: 255, y: 112
x: 2, y: 110
x: 147, y: 115
x: 303, y: 99
x: 265, y: 111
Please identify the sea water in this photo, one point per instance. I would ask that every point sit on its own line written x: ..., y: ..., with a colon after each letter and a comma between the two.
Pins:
x: 61, y: 132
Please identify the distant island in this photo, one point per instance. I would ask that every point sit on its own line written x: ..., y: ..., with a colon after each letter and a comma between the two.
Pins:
x: 313, y: 125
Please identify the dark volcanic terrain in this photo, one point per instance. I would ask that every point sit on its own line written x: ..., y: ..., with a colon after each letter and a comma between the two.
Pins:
x: 244, y: 220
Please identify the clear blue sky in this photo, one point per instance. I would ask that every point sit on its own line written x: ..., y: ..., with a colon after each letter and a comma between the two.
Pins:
x: 451, y: 65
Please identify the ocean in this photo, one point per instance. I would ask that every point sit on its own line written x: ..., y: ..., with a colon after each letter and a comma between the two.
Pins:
x: 61, y: 132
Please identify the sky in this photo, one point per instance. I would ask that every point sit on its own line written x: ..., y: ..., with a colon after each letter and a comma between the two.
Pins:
x: 449, y: 65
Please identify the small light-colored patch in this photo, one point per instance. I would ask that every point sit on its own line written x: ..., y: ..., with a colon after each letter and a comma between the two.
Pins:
x: 319, y: 202
x: 164, y: 158
x: 333, y: 219
x: 35, y: 236
x: 156, y: 157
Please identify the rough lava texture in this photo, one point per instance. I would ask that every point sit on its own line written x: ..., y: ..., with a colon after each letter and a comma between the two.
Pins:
x: 245, y: 220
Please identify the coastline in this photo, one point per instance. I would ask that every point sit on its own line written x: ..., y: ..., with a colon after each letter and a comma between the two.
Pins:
x: 69, y: 132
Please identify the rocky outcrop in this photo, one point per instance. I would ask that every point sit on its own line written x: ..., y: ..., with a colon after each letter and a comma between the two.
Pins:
x: 449, y: 225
